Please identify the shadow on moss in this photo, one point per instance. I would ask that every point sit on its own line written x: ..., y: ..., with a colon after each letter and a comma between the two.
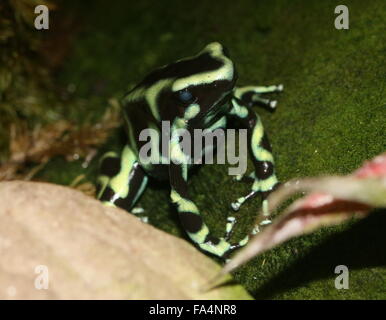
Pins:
x: 361, y: 246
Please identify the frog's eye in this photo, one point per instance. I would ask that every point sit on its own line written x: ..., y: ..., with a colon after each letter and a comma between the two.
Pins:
x: 185, y: 96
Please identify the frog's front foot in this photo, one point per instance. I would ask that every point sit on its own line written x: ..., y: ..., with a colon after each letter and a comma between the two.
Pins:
x: 138, y: 211
x: 231, y: 221
x: 252, y: 95
x: 266, y: 102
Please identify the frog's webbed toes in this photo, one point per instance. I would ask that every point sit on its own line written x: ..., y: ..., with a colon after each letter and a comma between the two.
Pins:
x: 236, y: 205
x: 240, y: 201
x: 266, y: 213
x: 138, y: 212
x: 239, y: 244
x: 257, y: 99
x: 144, y: 219
x: 222, y: 247
x: 273, y: 104
x: 253, y: 95
x: 255, y: 230
x: 233, y: 246
x: 231, y: 221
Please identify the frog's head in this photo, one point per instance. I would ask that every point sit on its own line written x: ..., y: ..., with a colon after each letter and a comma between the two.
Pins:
x: 193, y: 88
x: 205, y: 83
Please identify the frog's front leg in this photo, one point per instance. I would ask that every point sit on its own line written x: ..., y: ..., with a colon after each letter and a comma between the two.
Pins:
x: 259, y: 147
x: 252, y: 95
x: 188, y: 212
x: 121, y: 180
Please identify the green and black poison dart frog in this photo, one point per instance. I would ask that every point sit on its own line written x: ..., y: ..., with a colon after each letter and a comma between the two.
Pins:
x: 195, y: 92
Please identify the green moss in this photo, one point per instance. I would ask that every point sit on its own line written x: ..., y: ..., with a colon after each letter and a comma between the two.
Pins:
x: 330, y: 118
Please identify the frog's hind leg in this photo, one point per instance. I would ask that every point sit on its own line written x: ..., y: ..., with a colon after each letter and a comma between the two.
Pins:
x: 122, y: 180
x: 264, y: 177
x: 191, y: 218
x: 252, y: 95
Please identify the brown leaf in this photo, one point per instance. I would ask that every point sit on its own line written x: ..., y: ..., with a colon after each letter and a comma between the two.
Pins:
x: 60, y: 138
x: 92, y: 251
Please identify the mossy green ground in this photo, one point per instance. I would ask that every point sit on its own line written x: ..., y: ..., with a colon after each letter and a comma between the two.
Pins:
x: 331, y: 117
